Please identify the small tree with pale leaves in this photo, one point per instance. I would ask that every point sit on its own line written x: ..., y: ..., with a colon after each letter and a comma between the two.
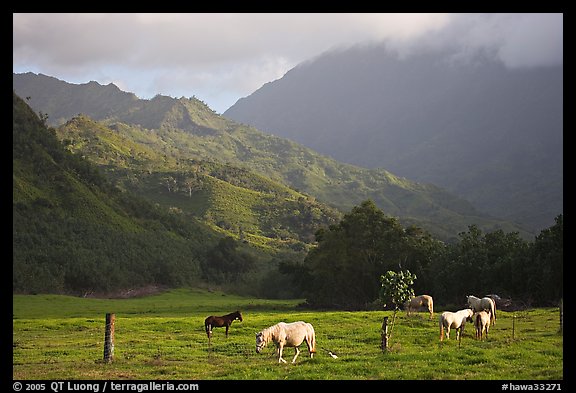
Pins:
x: 396, y: 290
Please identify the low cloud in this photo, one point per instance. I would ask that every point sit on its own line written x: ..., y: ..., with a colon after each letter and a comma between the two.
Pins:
x: 227, y: 55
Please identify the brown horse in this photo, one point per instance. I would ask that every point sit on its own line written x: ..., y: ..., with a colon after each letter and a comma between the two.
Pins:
x: 225, y: 320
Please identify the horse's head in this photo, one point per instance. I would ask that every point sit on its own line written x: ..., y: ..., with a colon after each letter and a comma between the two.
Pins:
x: 260, y: 342
x: 239, y: 316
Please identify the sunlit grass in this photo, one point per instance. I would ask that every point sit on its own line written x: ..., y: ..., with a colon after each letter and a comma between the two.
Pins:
x: 162, y: 337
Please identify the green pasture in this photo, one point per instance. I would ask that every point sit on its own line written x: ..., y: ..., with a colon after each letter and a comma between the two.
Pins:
x: 162, y: 337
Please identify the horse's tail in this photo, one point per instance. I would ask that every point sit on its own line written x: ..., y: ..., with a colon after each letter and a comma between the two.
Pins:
x: 431, y: 307
x: 493, y: 313
x: 312, y: 339
x: 478, y: 325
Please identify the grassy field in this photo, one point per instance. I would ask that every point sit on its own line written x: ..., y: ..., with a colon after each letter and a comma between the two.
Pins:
x: 162, y: 337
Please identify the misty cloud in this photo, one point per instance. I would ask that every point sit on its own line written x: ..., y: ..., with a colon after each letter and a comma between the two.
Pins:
x: 222, y: 57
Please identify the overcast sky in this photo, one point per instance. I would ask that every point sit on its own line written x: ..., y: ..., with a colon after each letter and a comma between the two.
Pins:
x: 220, y: 58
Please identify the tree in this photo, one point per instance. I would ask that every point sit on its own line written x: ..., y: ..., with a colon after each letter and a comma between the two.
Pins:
x: 344, y: 269
x: 352, y: 255
x: 396, y: 289
x: 170, y: 182
x: 190, y: 182
x: 226, y: 262
x: 547, y: 265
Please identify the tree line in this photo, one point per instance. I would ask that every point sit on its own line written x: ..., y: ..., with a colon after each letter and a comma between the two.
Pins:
x: 343, y: 271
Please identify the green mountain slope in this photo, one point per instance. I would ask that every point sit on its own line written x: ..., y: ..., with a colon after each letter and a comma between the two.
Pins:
x: 170, y: 132
x: 233, y: 200
x: 74, y: 232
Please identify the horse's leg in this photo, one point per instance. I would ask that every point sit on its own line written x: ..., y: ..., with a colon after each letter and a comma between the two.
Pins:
x: 227, y: 326
x: 296, y: 355
x: 280, y: 347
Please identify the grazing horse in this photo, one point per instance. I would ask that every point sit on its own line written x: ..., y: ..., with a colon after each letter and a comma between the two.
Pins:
x: 485, y: 303
x: 482, y: 323
x: 419, y: 302
x: 287, y: 335
x: 455, y: 320
x: 225, y: 320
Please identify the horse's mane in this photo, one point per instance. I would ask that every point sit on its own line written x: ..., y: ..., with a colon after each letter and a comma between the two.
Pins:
x: 269, y: 333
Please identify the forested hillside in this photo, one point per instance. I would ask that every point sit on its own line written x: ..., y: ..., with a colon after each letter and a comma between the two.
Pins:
x: 184, y: 132
x: 231, y: 199
x: 75, y: 232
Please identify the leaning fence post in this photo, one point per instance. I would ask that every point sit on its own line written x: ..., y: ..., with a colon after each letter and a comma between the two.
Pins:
x: 384, y: 334
x: 109, y: 338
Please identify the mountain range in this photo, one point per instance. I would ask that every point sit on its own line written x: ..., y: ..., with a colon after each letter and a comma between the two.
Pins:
x: 179, y: 153
x: 487, y: 133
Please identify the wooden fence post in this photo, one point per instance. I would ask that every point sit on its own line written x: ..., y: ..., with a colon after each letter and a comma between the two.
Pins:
x: 109, y: 338
x: 384, y: 334
x: 513, y: 325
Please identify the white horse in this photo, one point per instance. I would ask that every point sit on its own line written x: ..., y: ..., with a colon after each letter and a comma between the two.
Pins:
x: 485, y: 303
x: 482, y: 323
x: 418, y: 302
x: 287, y: 335
x: 455, y: 320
